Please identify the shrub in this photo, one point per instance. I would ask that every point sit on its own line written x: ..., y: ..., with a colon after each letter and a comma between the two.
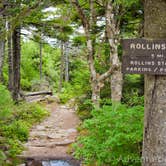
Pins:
x: 18, y: 129
x: 84, y: 108
x: 31, y: 113
x: 5, y: 98
x: 67, y: 93
x: 15, y: 122
x: 25, y: 84
x: 133, y: 90
x: 112, y: 137
x: 133, y: 98
x: 79, y: 82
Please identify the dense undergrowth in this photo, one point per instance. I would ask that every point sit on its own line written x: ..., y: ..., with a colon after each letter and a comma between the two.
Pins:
x: 15, y: 123
x: 113, y: 136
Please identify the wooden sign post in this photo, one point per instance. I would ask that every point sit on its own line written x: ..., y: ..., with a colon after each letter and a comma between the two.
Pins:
x: 149, y: 57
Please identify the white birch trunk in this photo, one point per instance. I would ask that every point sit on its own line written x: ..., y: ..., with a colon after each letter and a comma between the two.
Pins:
x: 112, y: 32
x: 116, y: 77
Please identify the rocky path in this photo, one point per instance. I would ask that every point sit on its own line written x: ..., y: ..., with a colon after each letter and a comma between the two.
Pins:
x: 51, y: 138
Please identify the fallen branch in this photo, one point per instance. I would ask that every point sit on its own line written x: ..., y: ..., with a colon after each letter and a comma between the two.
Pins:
x: 39, y: 93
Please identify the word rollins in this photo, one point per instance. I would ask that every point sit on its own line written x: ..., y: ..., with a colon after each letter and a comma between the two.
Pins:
x: 147, y: 46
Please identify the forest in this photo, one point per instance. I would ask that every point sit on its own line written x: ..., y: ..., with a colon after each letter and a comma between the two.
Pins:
x: 72, y: 48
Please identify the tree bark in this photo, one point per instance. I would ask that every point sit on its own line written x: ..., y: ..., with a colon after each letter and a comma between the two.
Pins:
x: 66, y: 54
x: 116, y: 86
x: 10, y: 60
x: 116, y: 77
x: 40, y: 55
x: 2, y: 54
x: 94, y: 81
x: 16, y: 62
x: 154, y: 144
x: 61, y: 68
x: 2, y: 45
x: 96, y: 94
x: 112, y: 32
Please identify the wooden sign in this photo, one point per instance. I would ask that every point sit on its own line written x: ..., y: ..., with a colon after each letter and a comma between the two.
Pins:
x: 141, y: 56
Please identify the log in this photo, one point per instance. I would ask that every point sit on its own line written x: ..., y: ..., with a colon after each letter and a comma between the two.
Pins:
x: 39, y: 93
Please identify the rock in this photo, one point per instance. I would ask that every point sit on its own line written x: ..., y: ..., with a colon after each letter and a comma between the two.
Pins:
x: 22, y: 165
x: 71, y: 130
x: 38, y: 134
x: 33, y: 163
x: 40, y: 127
x: 64, y: 107
x: 48, y: 126
x: 52, y: 99
x: 54, y: 136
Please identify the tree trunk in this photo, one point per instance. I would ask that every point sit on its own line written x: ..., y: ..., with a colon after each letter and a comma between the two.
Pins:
x: 2, y: 54
x: 61, y: 67
x: 66, y: 63
x: 2, y: 46
x: 16, y: 62
x: 96, y: 94
x: 10, y: 60
x: 40, y: 68
x: 116, y: 86
x: 154, y: 144
x: 116, y: 77
x: 112, y: 32
x: 94, y: 82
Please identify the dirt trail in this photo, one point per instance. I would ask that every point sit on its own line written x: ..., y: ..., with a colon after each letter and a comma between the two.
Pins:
x: 51, y: 138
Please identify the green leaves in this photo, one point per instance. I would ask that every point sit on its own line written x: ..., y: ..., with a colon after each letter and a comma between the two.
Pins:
x: 5, y: 97
x: 2, y: 156
x: 15, y: 122
x: 126, y: 3
x: 113, y: 137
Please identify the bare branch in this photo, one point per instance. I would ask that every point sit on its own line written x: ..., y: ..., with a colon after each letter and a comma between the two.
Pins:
x: 108, y: 73
x: 81, y: 14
